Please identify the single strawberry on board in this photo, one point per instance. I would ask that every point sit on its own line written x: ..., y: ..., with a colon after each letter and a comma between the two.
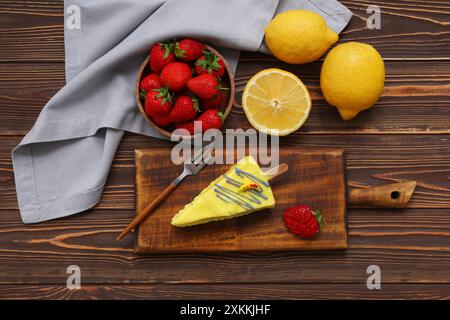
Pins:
x: 204, y: 86
x: 184, y: 109
x: 175, y: 75
x: 211, y: 119
x: 160, y: 55
x: 150, y: 82
x: 303, y: 221
x: 158, y: 102
x: 214, y: 103
x: 210, y: 63
x: 188, y: 50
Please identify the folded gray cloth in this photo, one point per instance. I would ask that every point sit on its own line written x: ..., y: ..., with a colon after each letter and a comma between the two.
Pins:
x: 61, y: 165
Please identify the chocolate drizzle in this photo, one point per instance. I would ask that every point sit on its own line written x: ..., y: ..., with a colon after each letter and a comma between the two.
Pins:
x: 242, y: 199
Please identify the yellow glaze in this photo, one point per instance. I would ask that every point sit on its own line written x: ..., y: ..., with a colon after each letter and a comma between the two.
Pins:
x: 216, y: 201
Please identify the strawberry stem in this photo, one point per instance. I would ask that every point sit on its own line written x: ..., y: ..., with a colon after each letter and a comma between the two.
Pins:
x: 196, y: 103
x: 165, y: 94
x: 319, y: 217
x: 179, y: 53
x: 210, y: 63
x: 223, y: 88
x: 221, y: 115
x: 168, y: 47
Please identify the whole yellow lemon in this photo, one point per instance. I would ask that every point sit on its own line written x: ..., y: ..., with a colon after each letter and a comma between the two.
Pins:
x: 299, y: 36
x: 352, y: 78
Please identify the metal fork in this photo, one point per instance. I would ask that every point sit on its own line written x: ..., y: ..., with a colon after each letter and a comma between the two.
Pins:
x: 191, y: 168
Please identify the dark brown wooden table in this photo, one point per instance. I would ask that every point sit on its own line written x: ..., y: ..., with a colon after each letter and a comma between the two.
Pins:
x: 406, y: 136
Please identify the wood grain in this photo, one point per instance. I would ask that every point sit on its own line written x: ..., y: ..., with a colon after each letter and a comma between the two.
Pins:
x: 371, y: 160
x: 227, y: 292
x: 410, y: 246
x: 416, y: 98
x: 316, y: 177
x: 409, y: 29
x: 392, y: 195
x: 405, y: 137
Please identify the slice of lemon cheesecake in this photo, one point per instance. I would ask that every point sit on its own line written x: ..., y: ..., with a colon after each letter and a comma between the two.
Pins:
x: 240, y: 191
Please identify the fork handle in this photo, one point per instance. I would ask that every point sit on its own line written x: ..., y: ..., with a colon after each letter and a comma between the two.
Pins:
x: 141, y: 217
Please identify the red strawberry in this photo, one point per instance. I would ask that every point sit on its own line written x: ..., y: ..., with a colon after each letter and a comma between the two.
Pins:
x: 204, y: 86
x: 211, y: 119
x: 214, y: 103
x: 303, y: 221
x: 175, y: 75
x: 188, y: 125
x: 188, y: 50
x: 184, y: 109
x: 162, y: 120
x: 210, y: 63
x: 158, y: 102
x: 160, y: 55
x: 150, y: 82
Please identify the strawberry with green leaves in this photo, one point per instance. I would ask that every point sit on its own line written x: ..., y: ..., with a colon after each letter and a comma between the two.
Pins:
x: 210, y: 63
x: 188, y: 50
x: 211, y: 119
x: 184, y: 109
x: 303, y: 221
x: 158, y: 103
x: 205, y: 86
x: 160, y: 55
x: 175, y: 75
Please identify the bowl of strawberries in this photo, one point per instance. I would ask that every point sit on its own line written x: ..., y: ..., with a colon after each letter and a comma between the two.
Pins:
x: 182, y: 83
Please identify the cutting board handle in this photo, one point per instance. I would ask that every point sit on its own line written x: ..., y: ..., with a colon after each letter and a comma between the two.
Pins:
x: 395, y: 195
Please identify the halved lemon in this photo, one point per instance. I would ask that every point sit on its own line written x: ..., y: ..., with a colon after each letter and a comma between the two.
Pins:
x: 276, y: 102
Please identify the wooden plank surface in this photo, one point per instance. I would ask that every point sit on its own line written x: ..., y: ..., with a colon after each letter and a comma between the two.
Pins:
x: 410, y: 246
x: 371, y: 160
x: 406, y: 136
x: 316, y: 177
x: 409, y: 29
x: 412, y: 89
x: 230, y: 291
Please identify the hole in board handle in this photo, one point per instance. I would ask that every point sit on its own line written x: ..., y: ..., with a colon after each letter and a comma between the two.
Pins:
x: 395, y: 195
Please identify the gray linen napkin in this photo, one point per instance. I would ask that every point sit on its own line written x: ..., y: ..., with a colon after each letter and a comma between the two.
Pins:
x: 61, y: 165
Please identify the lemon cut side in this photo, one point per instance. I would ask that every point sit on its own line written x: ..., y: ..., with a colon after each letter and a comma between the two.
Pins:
x: 276, y: 102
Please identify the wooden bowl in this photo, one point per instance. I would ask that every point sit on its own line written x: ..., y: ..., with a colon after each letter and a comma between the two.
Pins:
x: 227, y: 104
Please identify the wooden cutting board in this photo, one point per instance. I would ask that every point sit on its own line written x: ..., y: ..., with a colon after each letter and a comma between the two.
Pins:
x: 316, y: 177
